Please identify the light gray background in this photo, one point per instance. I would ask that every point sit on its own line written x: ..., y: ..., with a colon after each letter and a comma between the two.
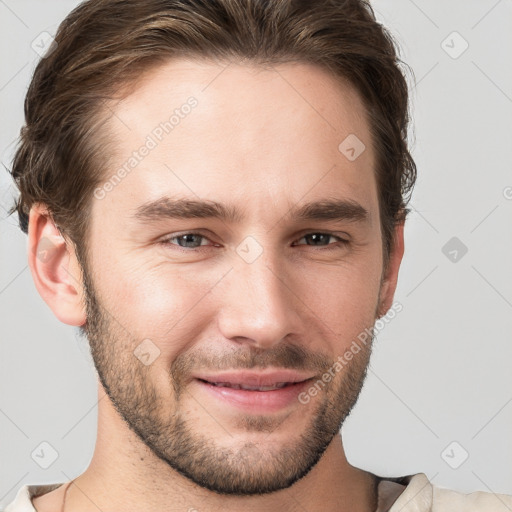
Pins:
x: 441, y: 369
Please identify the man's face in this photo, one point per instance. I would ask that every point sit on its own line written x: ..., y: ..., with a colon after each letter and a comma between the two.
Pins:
x: 237, y: 299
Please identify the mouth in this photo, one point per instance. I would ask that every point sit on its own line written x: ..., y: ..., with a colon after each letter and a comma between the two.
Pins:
x: 277, y: 385
x: 255, y: 392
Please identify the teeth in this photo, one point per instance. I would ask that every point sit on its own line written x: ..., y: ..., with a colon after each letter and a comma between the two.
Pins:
x: 278, y: 385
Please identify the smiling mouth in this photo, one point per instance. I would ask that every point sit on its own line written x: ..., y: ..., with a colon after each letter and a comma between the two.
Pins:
x: 277, y: 385
x: 255, y: 393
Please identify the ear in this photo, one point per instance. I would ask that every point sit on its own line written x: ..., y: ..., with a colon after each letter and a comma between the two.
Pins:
x: 390, y: 277
x: 55, y: 269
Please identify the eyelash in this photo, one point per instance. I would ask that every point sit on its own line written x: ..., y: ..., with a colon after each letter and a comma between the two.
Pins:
x: 329, y: 247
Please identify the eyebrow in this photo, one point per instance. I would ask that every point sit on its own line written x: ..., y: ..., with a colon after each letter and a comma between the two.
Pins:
x: 328, y: 209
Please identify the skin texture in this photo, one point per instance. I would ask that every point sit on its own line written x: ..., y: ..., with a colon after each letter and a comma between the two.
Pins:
x: 264, y: 140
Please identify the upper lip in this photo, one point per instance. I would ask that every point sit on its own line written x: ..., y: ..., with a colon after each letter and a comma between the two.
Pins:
x: 251, y: 378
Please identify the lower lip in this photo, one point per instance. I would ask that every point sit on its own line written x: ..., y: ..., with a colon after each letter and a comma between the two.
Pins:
x: 257, y: 401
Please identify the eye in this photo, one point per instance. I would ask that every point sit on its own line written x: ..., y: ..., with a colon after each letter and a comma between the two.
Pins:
x: 192, y: 240
x: 324, y: 237
x: 185, y: 240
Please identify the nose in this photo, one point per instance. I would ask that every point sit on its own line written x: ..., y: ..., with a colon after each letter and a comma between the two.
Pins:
x: 258, y: 305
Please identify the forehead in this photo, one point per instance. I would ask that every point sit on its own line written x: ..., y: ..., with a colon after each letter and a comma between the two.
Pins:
x: 241, y: 132
x: 243, y: 94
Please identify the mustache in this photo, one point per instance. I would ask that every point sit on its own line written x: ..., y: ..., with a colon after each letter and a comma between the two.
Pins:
x: 283, y: 356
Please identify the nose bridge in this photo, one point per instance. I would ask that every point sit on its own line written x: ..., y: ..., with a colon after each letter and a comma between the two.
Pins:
x: 257, y: 304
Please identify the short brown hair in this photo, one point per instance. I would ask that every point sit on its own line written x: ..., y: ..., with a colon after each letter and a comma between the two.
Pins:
x: 104, y: 45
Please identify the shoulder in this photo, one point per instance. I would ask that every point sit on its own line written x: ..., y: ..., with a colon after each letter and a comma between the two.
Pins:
x: 26, y: 493
x: 420, y: 495
x: 447, y: 499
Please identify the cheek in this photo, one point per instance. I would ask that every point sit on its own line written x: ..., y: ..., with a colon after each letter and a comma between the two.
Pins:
x: 163, y: 303
x: 342, y: 301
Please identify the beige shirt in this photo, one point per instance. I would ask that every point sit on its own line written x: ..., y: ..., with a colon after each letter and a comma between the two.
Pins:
x: 411, y: 493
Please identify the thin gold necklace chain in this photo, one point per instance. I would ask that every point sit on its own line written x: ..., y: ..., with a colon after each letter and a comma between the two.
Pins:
x: 66, y: 495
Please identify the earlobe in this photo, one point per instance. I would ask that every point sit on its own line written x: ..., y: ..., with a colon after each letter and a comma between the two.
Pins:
x: 390, y: 278
x: 54, y: 268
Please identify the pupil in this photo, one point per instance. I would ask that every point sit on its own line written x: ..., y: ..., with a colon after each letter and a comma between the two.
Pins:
x: 316, y: 236
x: 187, y: 239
